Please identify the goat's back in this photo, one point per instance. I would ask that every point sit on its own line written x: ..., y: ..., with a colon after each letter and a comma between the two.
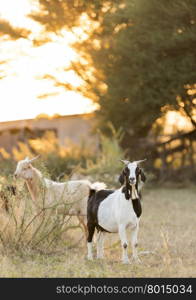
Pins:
x: 73, y: 194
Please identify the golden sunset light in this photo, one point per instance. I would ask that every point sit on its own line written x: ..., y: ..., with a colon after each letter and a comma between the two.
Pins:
x: 23, y: 85
x: 97, y: 136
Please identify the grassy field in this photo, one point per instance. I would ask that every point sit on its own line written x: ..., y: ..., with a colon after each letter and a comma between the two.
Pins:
x: 167, y: 244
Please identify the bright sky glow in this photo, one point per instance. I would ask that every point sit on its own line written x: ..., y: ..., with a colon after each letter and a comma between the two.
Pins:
x: 22, y: 86
x: 175, y: 121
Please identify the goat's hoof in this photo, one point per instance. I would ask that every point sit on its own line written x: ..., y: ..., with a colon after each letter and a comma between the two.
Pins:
x: 136, y: 260
x: 125, y: 261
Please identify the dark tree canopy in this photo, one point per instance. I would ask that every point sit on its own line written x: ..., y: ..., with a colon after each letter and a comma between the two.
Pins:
x: 146, y: 58
x: 140, y: 58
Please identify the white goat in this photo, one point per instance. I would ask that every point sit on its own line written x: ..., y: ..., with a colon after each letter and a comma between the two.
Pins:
x: 68, y: 197
x: 114, y: 210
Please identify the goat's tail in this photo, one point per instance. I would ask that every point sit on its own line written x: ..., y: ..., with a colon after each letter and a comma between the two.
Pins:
x: 97, y: 186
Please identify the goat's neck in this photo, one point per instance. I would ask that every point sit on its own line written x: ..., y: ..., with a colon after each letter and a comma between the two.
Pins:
x: 34, y: 186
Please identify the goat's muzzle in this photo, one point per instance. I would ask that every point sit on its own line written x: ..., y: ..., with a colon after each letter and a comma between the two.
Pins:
x: 132, y: 180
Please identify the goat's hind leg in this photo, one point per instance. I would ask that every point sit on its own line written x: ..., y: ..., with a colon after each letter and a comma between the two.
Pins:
x: 124, y: 243
x: 91, y: 230
x: 100, y: 244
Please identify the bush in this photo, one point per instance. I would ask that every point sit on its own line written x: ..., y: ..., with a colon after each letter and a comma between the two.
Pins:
x: 25, y: 227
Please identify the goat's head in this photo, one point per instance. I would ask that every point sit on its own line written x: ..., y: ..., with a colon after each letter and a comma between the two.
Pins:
x: 24, y: 168
x: 131, y: 172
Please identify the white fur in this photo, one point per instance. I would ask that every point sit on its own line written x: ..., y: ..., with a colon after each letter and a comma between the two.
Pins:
x: 70, y: 197
x: 98, y: 186
x: 115, y: 210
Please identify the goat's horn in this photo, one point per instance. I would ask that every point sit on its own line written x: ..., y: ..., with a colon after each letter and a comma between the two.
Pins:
x: 126, y: 162
x: 34, y: 158
x: 140, y: 161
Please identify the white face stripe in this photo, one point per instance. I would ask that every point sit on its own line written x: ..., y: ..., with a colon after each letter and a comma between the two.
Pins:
x: 132, y: 168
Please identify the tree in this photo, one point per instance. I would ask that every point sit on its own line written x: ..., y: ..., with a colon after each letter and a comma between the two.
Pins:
x: 146, y: 60
x: 138, y: 59
x: 6, y: 29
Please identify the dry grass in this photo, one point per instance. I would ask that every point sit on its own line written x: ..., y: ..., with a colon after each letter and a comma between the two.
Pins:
x: 167, y: 243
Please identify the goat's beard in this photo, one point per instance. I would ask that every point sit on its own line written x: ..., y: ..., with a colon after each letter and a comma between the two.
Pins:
x: 131, y: 190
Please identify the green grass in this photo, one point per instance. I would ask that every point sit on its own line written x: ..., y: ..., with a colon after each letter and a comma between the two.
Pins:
x: 167, y: 243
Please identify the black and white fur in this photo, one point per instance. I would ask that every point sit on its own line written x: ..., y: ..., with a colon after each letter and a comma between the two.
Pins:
x: 115, y: 210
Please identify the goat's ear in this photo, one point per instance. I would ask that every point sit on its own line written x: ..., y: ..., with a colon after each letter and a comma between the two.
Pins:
x: 122, y: 178
x: 143, y: 176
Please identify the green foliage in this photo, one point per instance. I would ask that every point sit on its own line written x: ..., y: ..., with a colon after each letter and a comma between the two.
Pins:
x: 7, y: 167
x: 145, y: 62
x: 137, y: 61
x: 62, y: 167
x: 106, y: 166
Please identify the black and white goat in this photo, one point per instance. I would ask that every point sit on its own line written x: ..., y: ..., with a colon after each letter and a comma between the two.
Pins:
x: 114, y: 210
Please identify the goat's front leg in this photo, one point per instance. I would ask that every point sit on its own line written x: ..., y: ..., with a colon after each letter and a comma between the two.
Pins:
x: 134, y: 242
x: 124, y: 243
x: 100, y: 244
